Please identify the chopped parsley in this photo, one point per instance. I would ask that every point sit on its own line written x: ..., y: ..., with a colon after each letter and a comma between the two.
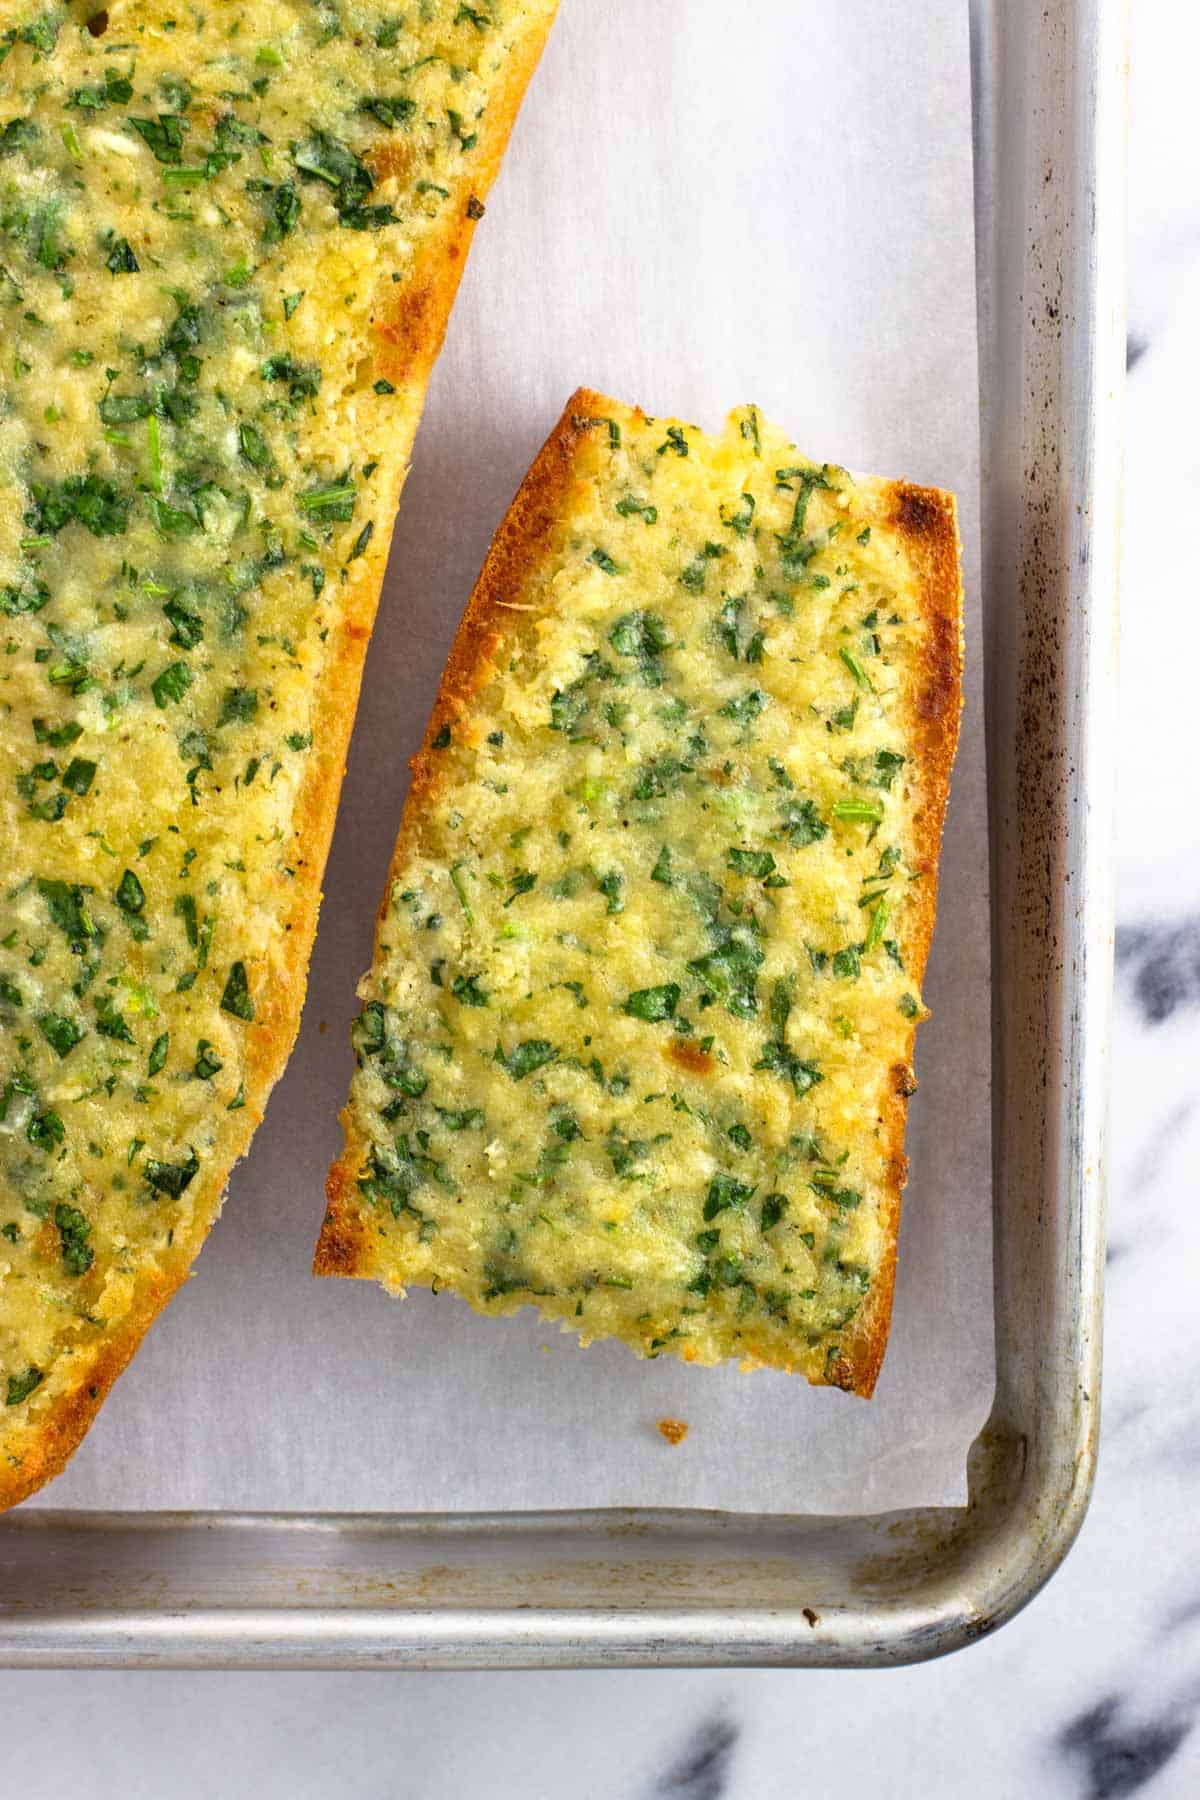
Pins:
x: 235, y: 998
x: 653, y: 1004
x: 171, y: 1179
x: 21, y: 1386
x: 526, y: 1057
x: 74, y: 1232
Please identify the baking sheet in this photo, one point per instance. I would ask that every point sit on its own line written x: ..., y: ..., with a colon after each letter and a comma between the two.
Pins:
x: 702, y: 205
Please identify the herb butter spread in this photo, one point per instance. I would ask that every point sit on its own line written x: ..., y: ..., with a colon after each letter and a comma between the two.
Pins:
x: 229, y: 238
x: 636, y: 1043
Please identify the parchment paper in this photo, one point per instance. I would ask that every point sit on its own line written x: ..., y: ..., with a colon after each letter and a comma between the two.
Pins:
x: 704, y: 203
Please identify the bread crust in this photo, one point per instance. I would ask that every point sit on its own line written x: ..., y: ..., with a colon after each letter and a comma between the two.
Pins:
x: 410, y: 324
x: 926, y: 520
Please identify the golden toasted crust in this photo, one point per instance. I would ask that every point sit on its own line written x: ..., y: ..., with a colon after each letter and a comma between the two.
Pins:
x: 925, y: 520
x: 410, y: 324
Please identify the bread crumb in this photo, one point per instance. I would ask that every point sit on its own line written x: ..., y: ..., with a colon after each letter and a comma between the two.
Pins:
x: 674, y: 1430
x: 322, y: 1028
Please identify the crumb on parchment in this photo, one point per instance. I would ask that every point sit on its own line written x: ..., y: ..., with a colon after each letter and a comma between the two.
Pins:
x: 674, y: 1430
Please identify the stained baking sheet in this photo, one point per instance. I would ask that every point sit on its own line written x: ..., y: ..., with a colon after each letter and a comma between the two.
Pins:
x: 701, y: 206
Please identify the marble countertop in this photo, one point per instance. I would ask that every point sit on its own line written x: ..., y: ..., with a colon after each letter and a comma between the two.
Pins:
x: 1094, y: 1691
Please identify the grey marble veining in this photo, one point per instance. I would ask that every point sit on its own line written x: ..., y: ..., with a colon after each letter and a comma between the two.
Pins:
x: 1094, y: 1692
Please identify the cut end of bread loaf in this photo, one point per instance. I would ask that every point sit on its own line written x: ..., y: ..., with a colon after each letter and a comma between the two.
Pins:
x: 239, y: 248
x: 636, y: 1047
